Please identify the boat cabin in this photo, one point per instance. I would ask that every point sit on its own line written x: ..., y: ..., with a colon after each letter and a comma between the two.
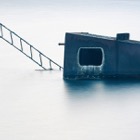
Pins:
x: 90, y: 56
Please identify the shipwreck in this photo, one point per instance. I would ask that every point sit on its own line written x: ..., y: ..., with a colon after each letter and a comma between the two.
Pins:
x: 89, y: 56
x: 86, y: 56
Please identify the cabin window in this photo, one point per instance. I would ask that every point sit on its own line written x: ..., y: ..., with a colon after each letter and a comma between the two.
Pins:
x: 90, y: 56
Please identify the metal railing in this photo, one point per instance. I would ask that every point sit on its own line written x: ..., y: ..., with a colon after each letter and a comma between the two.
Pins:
x: 12, y: 38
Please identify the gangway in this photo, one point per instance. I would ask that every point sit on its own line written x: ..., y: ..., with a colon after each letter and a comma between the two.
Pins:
x: 12, y: 38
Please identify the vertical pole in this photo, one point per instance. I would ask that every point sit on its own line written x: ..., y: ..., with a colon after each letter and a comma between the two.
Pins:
x: 1, y: 31
x: 50, y: 64
x: 11, y: 37
x: 40, y: 59
x: 31, y: 52
x: 21, y: 45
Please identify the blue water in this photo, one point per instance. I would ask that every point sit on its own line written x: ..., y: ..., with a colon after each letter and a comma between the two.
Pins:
x: 36, y: 104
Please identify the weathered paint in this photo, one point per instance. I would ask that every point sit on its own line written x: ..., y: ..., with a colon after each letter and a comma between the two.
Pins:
x: 121, y: 56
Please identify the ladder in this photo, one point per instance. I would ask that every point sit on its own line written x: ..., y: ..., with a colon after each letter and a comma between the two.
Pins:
x: 20, y: 44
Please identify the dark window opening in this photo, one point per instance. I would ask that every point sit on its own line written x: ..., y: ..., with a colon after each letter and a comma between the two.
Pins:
x: 90, y: 56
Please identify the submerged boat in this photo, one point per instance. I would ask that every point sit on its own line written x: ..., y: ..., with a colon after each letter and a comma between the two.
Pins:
x: 86, y: 56
x: 89, y: 56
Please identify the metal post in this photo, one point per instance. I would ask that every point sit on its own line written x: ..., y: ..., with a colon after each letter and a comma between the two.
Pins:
x: 40, y: 59
x: 31, y: 52
x: 21, y: 45
x: 1, y: 30
x: 11, y: 38
x: 50, y: 64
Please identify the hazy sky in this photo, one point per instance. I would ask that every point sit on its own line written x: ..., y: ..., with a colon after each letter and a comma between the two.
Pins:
x: 63, y: 2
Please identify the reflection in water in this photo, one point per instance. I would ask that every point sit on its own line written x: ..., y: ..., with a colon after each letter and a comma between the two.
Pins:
x: 103, y: 109
x: 121, y: 84
x: 88, y: 87
x: 78, y: 86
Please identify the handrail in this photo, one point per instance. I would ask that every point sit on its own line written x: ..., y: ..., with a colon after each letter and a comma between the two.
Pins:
x: 21, y: 49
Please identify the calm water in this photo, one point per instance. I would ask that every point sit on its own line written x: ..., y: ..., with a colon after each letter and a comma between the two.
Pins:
x: 36, y: 104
